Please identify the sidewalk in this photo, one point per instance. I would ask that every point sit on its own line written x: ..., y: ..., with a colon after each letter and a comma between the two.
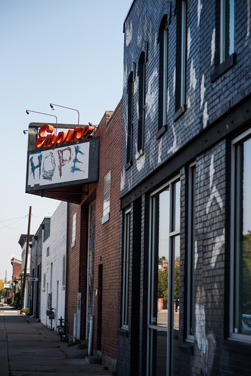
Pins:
x: 29, y: 348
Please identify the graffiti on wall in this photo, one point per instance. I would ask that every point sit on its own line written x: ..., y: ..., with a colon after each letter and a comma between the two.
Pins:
x: 59, y: 165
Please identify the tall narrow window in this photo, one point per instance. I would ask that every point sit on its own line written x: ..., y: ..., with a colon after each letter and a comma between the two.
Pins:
x: 44, y: 282
x: 130, y: 118
x: 142, y: 84
x: 241, y: 239
x: 163, y: 75
x: 181, y: 54
x: 51, y: 276
x: 126, y: 258
x: 106, y: 203
x: 191, y: 266
x: 73, y: 236
x: 164, y: 281
x: 226, y: 29
x: 63, y: 272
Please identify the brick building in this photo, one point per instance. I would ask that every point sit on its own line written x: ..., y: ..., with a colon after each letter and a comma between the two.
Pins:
x: 185, y: 189
x: 82, y: 166
x: 94, y: 247
x: 16, y: 277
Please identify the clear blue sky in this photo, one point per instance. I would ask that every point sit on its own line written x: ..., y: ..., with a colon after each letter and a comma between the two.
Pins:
x: 69, y: 52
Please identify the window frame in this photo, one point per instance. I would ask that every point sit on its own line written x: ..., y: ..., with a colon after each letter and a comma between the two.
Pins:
x: 236, y: 212
x: 126, y: 269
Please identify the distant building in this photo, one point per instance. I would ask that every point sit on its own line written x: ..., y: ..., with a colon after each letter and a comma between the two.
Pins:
x: 25, y: 286
x: 41, y: 235
x: 16, y: 278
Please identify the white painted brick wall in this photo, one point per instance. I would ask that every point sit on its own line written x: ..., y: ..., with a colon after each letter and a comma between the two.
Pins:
x: 57, y: 244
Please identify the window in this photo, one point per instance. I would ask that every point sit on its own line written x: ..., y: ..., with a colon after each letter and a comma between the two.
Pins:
x: 106, y: 203
x: 73, y: 235
x: 64, y: 272
x: 126, y: 259
x: 226, y: 29
x: 44, y: 282
x: 130, y: 119
x: 181, y: 55
x: 164, y: 279
x: 191, y: 261
x: 163, y: 69
x: 142, y: 84
x: 51, y: 276
x: 48, y: 251
x: 240, y: 314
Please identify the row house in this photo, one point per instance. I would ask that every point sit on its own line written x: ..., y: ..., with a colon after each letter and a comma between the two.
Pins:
x: 185, y: 189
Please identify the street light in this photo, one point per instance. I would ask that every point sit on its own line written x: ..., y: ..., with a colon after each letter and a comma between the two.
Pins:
x: 43, y: 113
x: 69, y: 108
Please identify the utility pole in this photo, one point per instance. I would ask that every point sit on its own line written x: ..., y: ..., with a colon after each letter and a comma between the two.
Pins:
x: 26, y: 258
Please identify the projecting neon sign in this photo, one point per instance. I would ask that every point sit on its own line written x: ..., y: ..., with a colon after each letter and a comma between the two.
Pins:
x: 63, y: 159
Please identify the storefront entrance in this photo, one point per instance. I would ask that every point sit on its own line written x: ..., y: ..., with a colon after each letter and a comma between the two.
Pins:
x: 164, y: 275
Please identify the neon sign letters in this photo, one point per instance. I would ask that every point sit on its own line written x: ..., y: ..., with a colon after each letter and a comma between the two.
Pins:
x: 52, y: 140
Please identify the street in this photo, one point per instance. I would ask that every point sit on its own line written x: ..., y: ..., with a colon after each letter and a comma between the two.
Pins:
x: 28, y: 348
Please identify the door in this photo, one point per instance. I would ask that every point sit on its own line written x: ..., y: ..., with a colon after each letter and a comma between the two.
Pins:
x: 100, y: 294
x: 164, y: 274
x: 90, y: 267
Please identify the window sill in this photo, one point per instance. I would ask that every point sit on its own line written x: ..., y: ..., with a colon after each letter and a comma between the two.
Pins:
x: 105, y: 218
x: 73, y: 244
x: 160, y: 132
x: 188, y: 347
x: 128, y: 165
x: 123, y: 332
x: 140, y: 153
x: 223, y: 67
x: 180, y: 112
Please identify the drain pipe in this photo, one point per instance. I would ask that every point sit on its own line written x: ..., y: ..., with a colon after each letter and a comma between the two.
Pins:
x: 66, y: 269
x: 90, y: 337
x: 35, y: 283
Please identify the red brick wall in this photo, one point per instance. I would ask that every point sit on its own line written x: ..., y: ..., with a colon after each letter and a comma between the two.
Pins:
x: 107, y: 239
x: 17, y: 268
x: 107, y: 236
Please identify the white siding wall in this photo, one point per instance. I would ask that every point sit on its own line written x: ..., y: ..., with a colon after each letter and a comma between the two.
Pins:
x: 54, y: 275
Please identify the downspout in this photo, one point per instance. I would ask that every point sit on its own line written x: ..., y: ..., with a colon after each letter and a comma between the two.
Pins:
x: 66, y: 267
x: 35, y: 282
x: 29, y: 282
x: 41, y: 268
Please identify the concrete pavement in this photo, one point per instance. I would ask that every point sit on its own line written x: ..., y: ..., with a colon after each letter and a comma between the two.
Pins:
x: 28, y: 348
